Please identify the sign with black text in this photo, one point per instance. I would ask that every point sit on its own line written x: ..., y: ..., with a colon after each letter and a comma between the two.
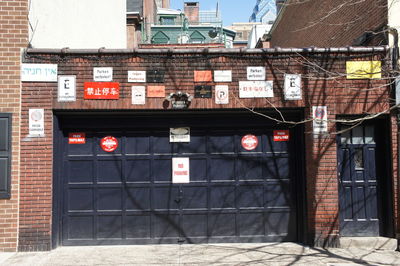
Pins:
x: 66, y: 88
x: 102, y: 74
x: 36, y: 122
x: 320, y: 119
x: 292, y: 87
x: 255, y: 73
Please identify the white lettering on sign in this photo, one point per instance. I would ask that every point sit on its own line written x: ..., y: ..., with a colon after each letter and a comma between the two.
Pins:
x: 256, y: 89
x: 221, y: 94
x: 39, y: 72
x: 138, y: 95
x: 66, y: 88
x: 292, y: 87
x: 102, y: 73
x: 223, y: 75
x: 179, y: 134
x: 36, y: 122
x: 320, y: 119
x: 180, y: 170
x: 136, y: 76
x: 255, y: 73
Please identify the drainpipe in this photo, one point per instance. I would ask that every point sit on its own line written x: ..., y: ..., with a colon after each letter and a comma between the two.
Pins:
x: 396, y: 86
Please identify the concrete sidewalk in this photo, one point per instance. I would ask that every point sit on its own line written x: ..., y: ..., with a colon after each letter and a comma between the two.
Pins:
x: 218, y: 254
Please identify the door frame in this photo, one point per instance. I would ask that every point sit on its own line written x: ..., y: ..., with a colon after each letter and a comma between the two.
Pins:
x: 385, y: 200
x: 299, y: 182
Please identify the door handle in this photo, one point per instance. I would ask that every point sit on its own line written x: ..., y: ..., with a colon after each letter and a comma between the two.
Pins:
x: 180, y: 197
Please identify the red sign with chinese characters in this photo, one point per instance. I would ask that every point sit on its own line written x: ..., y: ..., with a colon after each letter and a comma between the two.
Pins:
x: 109, y: 144
x: 101, y: 90
x: 281, y: 135
x: 76, y: 138
x: 249, y: 142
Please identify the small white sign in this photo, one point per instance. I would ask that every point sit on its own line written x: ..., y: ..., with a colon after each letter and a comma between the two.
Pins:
x: 180, y: 170
x: 102, y: 73
x: 66, y: 88
x: 223, y: 75
x: 36, y: 122
x: 136, y: 76
x: 256, y: 89
x: 221, y: 94
x: 292, y: 87
x: 138, y: 95
x: 320, y: 119
x: 179, y: 134
x: 255, y: 73
x: 39, y: 72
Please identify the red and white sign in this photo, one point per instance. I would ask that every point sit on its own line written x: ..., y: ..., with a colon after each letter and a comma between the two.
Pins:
x: 221, y: 94
x: 281, y: 135
x: 76, y: 138
x: 256, y: 89
x: 109, y: 144
x: 101, y: 91
x: 180, y: 170
x: 249, y: 142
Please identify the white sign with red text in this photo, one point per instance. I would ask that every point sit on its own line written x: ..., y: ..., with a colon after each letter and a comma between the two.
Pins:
x: 180, y: 170
x: 256, y: 89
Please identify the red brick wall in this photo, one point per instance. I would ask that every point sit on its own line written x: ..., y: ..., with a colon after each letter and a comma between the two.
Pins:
x: 329, y: 23
x: 341, y: 96
x: 13, y: 37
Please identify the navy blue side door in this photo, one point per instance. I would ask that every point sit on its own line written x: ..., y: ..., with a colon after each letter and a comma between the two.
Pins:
x: 358, y: 183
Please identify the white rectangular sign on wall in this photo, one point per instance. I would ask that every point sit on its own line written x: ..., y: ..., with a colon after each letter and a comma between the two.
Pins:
x: 137, y: 76
x: 292, y: 87
x: 180, y: 170
x: 256, y: 89
x: 138, y: 95
x: 102, y: 73
x: 255, y: 73
x: 320, y: 119
x: 66, y: 88
x: 36, y: 122
x: 223, y: 75
x: 39, y: 72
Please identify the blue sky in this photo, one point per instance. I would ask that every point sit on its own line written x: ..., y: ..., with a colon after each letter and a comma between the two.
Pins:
x: 231, y: 10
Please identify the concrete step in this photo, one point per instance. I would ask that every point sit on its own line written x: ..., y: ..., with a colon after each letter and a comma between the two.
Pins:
x: 374, y: 243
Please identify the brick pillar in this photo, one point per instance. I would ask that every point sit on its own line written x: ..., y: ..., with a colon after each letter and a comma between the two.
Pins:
x: 13, y: 37
x: 322, y: 187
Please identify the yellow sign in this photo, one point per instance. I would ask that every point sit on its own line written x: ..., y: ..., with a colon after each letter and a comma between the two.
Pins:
x: 363, y: 69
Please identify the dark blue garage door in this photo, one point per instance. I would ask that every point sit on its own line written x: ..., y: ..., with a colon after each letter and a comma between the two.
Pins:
x: 127, y: 196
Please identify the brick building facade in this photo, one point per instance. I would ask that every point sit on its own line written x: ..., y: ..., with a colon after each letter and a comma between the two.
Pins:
x: 74, y: 194
x: 313, y: 174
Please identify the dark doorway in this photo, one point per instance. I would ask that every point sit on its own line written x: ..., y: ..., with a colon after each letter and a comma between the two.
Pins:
x: 364, y: 180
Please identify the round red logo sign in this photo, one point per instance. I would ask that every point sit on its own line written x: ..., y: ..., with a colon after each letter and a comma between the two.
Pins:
x: 249, y: 142
x: 109, y: 143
